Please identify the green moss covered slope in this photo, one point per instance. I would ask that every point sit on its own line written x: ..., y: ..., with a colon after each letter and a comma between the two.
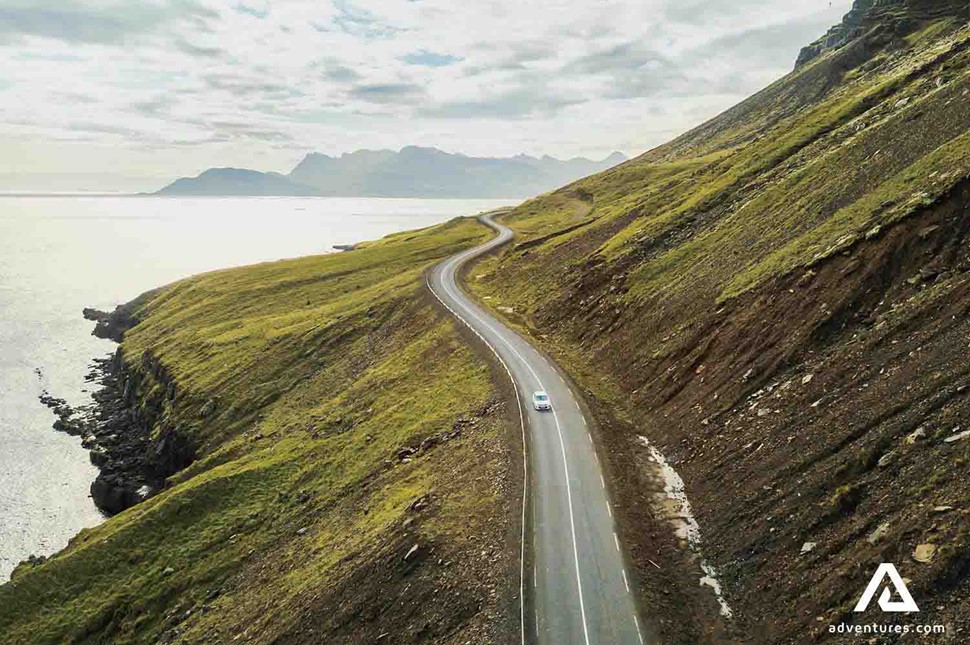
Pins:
x: 352, y: 478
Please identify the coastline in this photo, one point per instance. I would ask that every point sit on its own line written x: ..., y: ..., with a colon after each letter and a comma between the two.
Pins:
x: 299, y: 478
x: 49, y: 348
x: 117, y: 431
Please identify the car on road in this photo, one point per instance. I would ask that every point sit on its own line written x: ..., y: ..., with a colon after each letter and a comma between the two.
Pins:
x: 541, y: 402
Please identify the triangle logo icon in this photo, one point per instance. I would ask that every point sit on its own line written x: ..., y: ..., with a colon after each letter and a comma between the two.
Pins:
x: 904, y: 604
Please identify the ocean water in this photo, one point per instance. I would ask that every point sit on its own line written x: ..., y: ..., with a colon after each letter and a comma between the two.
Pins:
x: 61, y: 254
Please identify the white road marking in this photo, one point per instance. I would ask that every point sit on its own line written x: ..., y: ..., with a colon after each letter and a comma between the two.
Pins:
x: 625, y: 583
x: 609, y: 509
x: 636, y: 621
x: 562, y: 444
x: 525, y: 462
x: 572, y: 527
x: 447, y: 270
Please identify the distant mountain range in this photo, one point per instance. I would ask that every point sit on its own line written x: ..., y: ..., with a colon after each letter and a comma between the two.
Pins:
x: 412, y: 172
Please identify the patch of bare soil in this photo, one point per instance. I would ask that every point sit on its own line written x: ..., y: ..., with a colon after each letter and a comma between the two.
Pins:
x: 818, y: 424
x: 678, y: 609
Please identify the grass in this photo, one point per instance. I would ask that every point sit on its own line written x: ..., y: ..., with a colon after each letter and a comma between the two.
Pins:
x: 320, y: 368
x: 917, y: 187
x: 727, y: 208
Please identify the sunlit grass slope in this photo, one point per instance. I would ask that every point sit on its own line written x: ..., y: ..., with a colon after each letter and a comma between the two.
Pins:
x: 825, y: 156
x: 300, y: 382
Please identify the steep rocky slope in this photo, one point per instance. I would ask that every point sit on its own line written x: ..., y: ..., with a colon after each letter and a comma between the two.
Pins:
x: 350, y: 477
x: 891, y: 16
x: 778, y: 301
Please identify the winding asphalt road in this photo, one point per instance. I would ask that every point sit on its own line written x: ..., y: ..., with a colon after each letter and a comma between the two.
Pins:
x: 574, y: 581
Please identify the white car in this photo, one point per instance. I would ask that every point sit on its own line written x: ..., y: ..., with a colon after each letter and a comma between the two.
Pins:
x: 541, y: 402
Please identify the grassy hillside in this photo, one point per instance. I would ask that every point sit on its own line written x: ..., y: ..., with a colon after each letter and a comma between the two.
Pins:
x: 353, y: 480
x: 779, y: 301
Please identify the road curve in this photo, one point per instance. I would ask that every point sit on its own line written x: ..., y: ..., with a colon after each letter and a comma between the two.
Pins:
x: 574, y: 580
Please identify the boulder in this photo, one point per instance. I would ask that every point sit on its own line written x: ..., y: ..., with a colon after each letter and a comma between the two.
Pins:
x: 924, y: 553
x: 879, y: 533
x: 112, y: 495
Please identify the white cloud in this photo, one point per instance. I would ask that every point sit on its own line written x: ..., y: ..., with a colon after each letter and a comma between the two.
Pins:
x: 161, y: 88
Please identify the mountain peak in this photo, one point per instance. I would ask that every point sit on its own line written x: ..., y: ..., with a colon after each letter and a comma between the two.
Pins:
x: 425, y: 151
x: 897, y: 17
x: 316, y: 156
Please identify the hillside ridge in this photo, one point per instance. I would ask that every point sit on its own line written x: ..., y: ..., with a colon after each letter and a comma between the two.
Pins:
x: 343, y: 466
x: 777, y: 301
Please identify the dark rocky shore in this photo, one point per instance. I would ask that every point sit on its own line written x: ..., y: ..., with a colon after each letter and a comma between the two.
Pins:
x: 119, y: 429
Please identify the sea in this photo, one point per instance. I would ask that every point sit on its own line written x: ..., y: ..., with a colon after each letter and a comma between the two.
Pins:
x: 59, y: 254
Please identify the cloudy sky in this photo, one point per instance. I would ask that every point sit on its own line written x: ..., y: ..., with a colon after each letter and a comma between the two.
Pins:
x: 127, y: 94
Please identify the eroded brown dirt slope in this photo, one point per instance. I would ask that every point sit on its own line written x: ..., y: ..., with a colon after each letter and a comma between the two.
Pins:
x: 778, y: 301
